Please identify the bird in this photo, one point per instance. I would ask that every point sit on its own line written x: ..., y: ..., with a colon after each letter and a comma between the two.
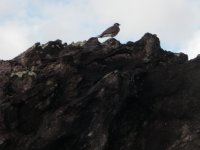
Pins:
x: 111, y: 31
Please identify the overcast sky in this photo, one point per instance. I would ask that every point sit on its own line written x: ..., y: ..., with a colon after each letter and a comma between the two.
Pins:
x: 25, y: 22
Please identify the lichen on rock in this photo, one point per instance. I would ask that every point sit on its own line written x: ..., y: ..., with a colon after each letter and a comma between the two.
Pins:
x: 100, y: 96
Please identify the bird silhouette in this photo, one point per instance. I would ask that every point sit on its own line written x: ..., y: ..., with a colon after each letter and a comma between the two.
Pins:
x: 111, y: 31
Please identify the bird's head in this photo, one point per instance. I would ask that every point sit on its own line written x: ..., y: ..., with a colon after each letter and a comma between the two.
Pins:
x: 117, y: 24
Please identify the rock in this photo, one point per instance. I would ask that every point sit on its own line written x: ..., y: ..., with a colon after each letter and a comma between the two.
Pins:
x: 130, y: 43
x: 100, y: 96
x: 65, y: 45
x: 79, y: 43
x: 58, y: 41
x: 112, y: 43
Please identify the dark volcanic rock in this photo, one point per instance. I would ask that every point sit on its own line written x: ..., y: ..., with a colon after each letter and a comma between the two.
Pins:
x: 93, y: 96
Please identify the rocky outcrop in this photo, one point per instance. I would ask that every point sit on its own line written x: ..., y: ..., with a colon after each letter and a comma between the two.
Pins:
x: 100, y: 96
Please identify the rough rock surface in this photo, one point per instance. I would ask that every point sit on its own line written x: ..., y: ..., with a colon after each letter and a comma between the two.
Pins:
x: 100, y: 96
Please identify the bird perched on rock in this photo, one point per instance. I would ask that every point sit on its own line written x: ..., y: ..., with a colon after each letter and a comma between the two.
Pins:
x: 111, y: 31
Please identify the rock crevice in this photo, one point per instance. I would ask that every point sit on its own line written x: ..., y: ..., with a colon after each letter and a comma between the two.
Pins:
x: 100, y: 96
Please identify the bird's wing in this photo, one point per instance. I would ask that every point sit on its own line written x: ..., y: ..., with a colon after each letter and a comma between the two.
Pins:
x: 110, y: 30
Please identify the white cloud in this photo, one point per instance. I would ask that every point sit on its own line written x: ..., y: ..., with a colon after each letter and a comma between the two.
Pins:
x: 24, y: 22
x: 192, y: 48
x: 172, y: 20
x: 9, y: 8
x: 14, y: 38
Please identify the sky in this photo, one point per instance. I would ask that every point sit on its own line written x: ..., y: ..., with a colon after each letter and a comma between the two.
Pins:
x: 25, y: 22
